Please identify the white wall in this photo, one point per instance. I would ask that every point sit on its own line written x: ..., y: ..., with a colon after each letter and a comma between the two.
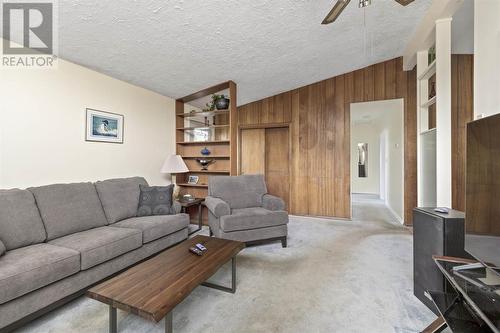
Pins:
x: 365, y: 133
x: 486, y: 57
x: 42, y: 128
x: 387, y: 116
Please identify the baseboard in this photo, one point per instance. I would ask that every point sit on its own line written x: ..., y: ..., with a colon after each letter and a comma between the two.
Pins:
x: 394, y: 214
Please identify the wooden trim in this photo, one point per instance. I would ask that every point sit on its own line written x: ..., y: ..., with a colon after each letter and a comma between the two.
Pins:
x: 233, y: 134
x: 256, y: 126
x: 205, y: 92
x: 436, y: 326
x: 203, y: 143
x: 454, y: 259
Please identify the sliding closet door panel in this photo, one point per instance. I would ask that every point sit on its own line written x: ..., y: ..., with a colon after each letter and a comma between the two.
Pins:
x: 278, y: 163
x: 253, y: 151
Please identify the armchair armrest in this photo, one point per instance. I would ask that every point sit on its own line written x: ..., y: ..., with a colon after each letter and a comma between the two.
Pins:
x: 272, y: 203
x: 217, y: 206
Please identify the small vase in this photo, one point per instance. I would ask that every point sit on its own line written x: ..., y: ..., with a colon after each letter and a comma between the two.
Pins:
x: 205, y: 151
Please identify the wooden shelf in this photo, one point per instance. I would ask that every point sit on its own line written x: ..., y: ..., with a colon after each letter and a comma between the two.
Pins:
x: 430, y: 102
x: 201, y: 156
x: 210, y: 171
x: 193, y: 185
x: 428, y: 72
x: 203, y: 142
x: 203, y: 113
x: 202, y: 127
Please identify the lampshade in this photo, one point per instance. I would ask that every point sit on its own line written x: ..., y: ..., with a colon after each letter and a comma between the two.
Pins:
x: 174, y: 164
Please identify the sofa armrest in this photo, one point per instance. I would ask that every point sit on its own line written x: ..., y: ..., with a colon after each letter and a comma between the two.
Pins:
x: 2, y: 249
x: 272, y: 203
x: 177, y: 207
x: 217, y: 206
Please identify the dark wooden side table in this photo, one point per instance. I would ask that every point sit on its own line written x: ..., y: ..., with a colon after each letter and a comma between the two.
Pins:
x: 185, y: 204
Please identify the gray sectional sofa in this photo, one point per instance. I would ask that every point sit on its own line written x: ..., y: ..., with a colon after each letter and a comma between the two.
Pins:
x: 58, y: 240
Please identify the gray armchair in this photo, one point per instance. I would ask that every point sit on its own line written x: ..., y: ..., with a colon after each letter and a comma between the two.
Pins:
x: 239, y: 208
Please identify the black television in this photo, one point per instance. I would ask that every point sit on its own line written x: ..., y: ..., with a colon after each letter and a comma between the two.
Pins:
x: 482, y: 213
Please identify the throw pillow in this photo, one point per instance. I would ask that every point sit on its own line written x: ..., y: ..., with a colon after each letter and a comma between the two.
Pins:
x: 2, y: 249
x: 156, y: 200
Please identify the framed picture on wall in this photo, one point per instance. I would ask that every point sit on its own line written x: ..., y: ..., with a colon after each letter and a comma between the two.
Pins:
x: 103, y: 126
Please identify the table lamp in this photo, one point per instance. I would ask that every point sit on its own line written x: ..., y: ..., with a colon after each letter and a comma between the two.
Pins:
x: 174, y: 164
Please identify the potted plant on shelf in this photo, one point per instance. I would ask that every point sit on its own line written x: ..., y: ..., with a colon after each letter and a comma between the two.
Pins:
x: 219, y: 102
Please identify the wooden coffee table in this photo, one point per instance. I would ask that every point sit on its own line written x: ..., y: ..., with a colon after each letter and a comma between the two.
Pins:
x: 154, y: 287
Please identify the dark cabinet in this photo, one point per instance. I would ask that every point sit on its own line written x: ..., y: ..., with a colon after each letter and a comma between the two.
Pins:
x: 435, y: 234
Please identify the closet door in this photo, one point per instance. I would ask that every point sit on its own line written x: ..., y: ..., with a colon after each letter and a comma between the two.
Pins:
x: 277, y: 162
x: 253, y: 151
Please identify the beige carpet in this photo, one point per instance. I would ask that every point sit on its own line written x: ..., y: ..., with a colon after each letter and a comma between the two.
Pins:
x: 335, y: 276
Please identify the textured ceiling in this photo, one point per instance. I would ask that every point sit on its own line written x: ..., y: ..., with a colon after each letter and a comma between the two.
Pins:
x: 177, y: 47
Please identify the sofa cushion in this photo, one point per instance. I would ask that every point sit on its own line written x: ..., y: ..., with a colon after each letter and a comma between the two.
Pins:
x: 238, y: 191
x: 154, y: 227
x: 120, y: 197
x: 2, y: 249
x: 69, y: 208
x: 32, y: 267
x: 252, y: 218
x: 20, y: 221
x: 101, y: 244
x: 156, y: 200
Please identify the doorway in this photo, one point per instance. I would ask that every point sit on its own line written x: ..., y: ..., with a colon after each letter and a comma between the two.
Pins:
x: 377, y: 156
x: 266, y: 151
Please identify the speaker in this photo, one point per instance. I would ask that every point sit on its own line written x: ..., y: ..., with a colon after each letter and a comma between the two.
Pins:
x: 435, y: 234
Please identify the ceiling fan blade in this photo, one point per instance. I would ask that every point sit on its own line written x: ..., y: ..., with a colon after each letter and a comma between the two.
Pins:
x: 335, y: 12
x: 404, y: 2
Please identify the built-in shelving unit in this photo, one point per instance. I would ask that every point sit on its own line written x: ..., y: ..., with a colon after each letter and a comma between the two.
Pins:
x: 428, y: 72
x: 430, y: 101
x: 217, y: 128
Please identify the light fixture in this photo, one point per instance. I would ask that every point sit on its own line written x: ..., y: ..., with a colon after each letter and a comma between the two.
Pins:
x: 404, y: 2
x: 364, y: 3
x: 335, y: 12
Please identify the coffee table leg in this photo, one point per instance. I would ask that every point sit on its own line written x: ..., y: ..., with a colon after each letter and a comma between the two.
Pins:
x: 168, y: 323
x: 112, y: 320
x: 231, y: 289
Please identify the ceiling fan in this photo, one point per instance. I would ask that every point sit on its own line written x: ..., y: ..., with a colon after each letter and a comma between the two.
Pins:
x: 341, y: 4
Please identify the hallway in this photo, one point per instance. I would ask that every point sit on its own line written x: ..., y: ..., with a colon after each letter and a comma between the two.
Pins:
x: 369, y: 207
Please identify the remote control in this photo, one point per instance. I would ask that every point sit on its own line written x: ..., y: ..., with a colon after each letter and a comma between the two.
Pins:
x: 196, y: 251
x: 201, y: 247
x: 442, y: 210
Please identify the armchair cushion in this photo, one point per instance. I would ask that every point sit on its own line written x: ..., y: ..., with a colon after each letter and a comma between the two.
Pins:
x: 217, y: 206
x: 252, y: 218
x: 238, y: 191
x: 272, y: 202
x: 2, y: 249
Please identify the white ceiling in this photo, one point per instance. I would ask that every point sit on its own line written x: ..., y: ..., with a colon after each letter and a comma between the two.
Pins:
x: 177, y: 47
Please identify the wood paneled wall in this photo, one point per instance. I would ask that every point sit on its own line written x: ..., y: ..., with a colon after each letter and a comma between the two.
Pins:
x: 462, y: 106
x: 319, y: 118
